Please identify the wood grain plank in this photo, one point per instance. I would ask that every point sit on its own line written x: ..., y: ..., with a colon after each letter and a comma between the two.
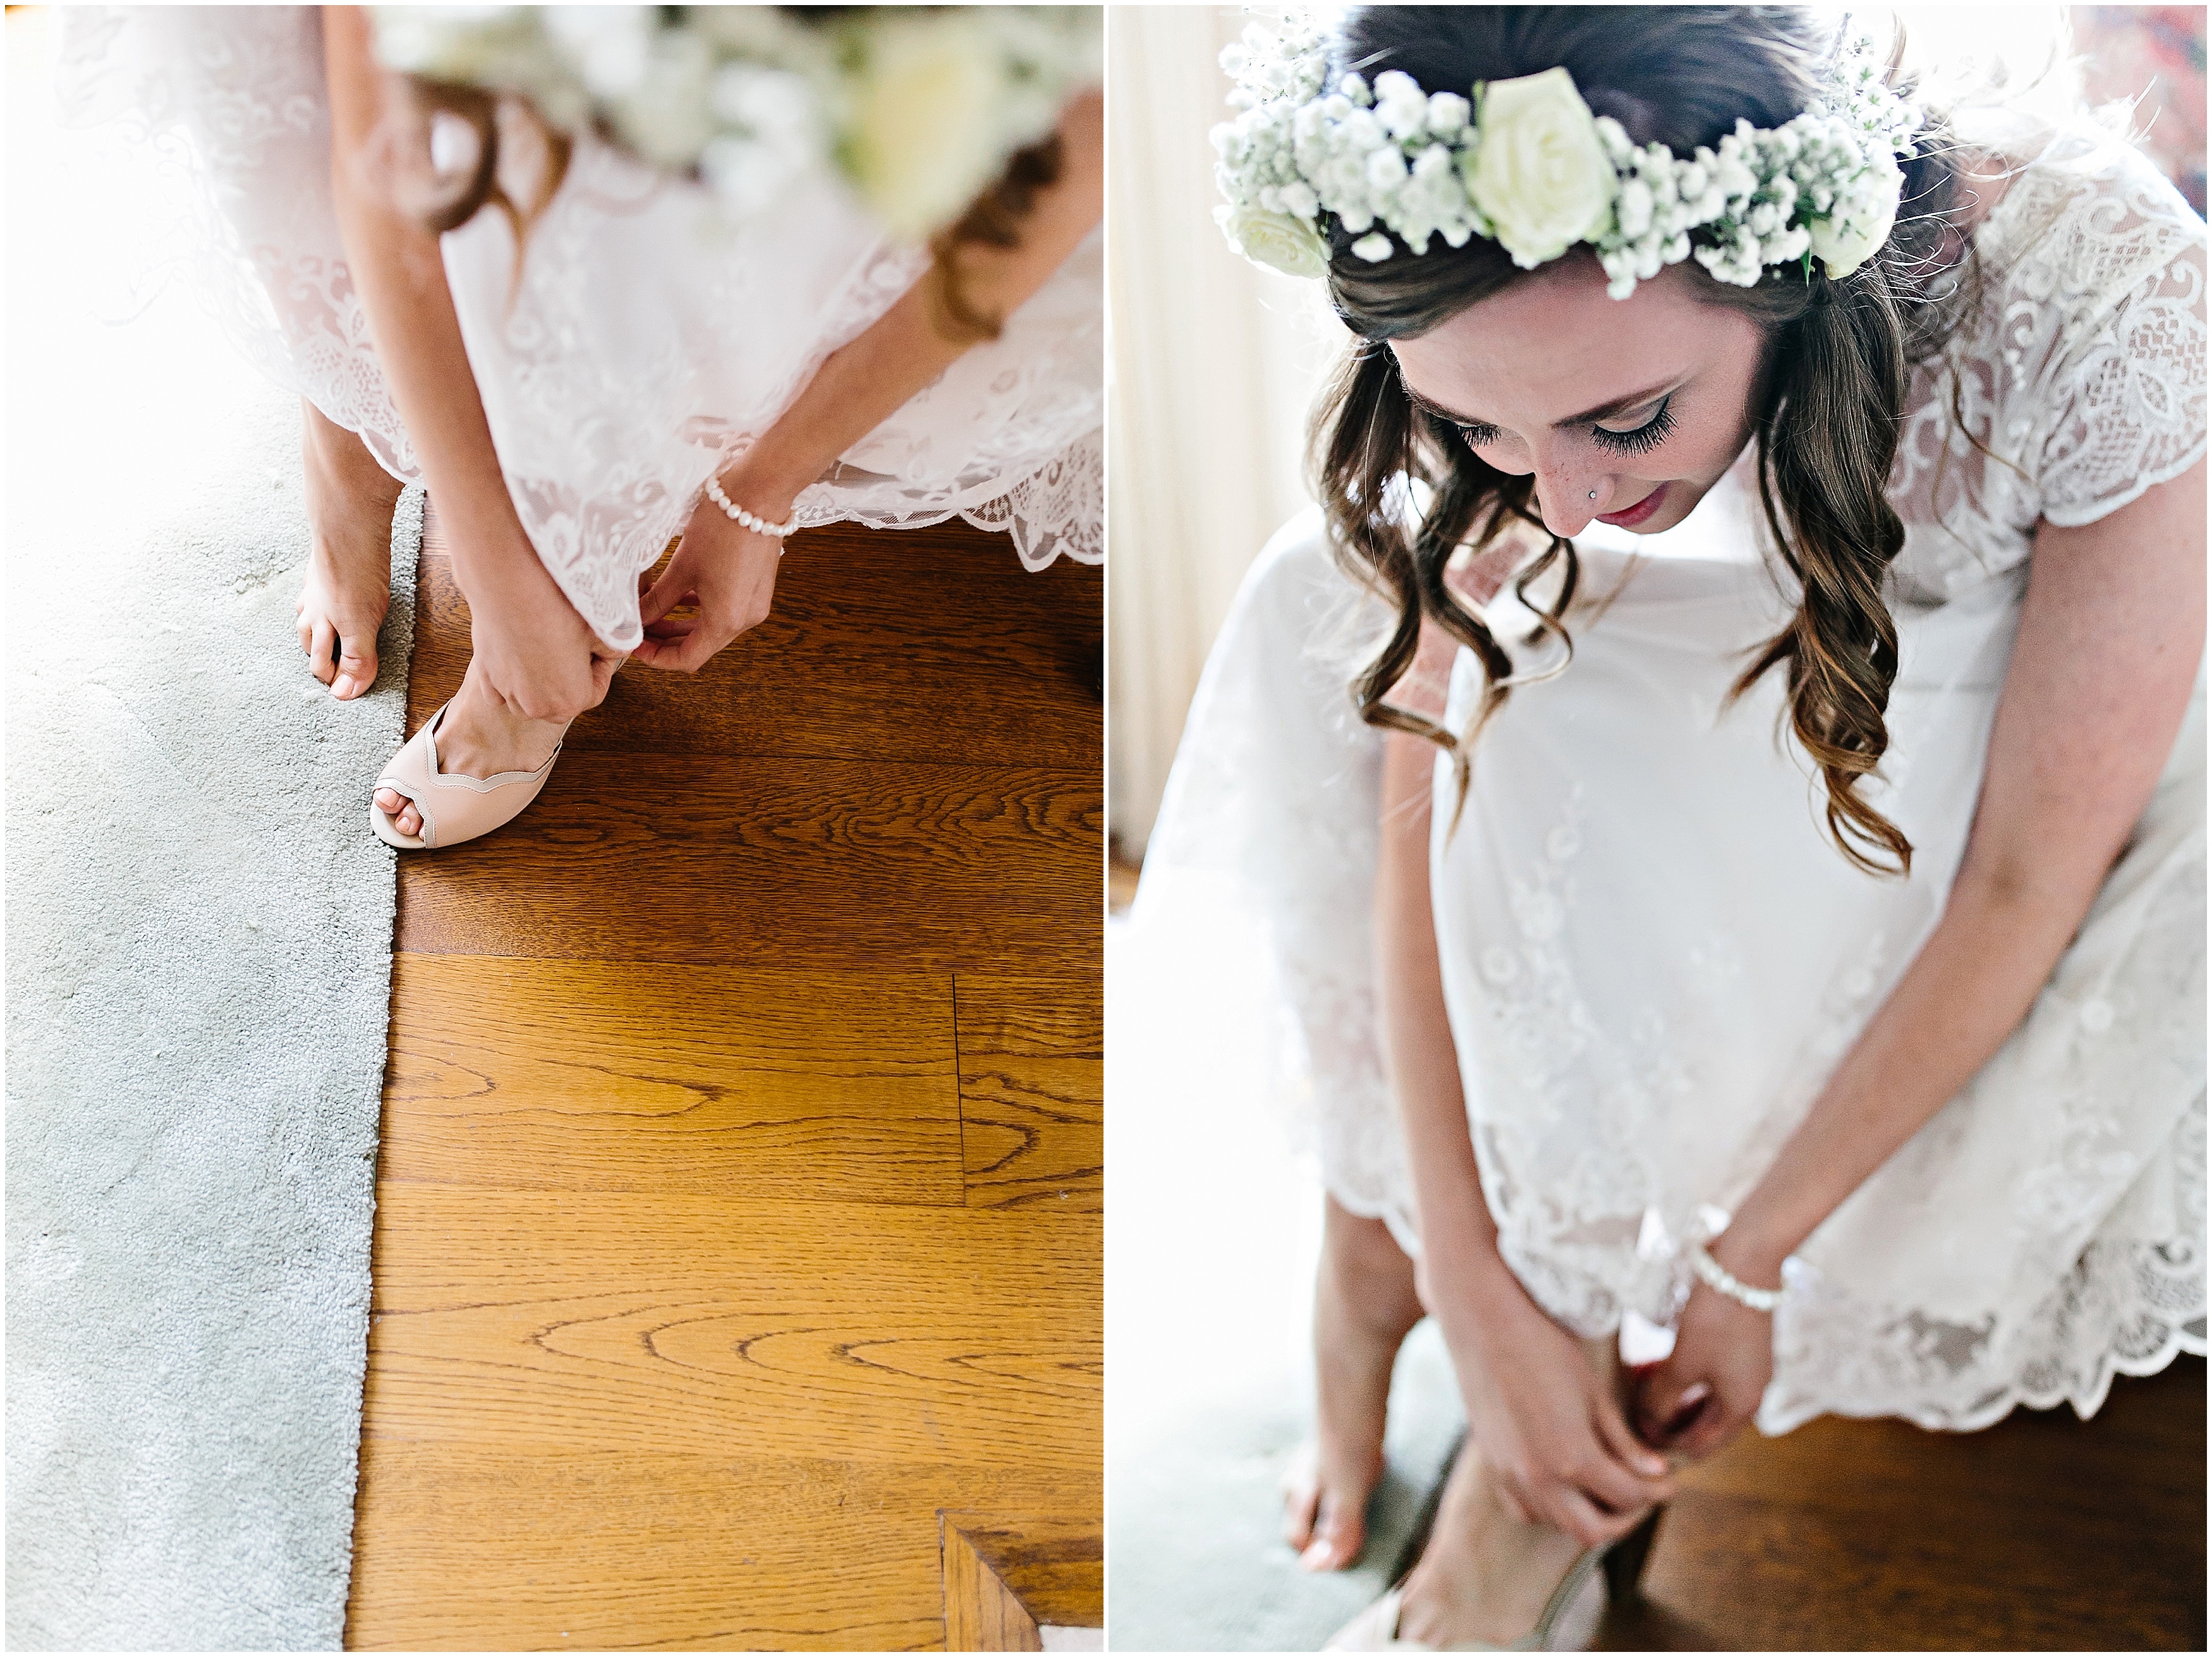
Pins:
x: 2040, y: 1533
x: 596, y: 1075
x: 920, y: 647
x: 608, y: 1320
x: 664, y: 1351
x: 1032, y: 1091
x: 795, y: 863
x: 981, y: 1614
x: 488, y: 1549
x: 1052, y: 1565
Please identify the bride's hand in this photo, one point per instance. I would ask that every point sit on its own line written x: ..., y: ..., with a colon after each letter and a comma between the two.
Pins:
x: 1705, y: 1391
x: 538, y: 655
x: 728, y: 570
x: 1549, y: 1429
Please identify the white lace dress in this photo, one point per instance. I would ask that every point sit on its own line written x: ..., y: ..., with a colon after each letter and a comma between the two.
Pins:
x: 1652, y: 956
x: 644, y: 339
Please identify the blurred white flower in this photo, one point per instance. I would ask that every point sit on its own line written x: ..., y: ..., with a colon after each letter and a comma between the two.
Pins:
x: 923, y: 139
x: 919, y: 109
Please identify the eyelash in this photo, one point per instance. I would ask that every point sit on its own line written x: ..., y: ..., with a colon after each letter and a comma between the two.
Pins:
x: 1644, y: 439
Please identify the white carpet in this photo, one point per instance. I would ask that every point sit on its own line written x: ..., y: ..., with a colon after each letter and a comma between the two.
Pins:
x: 199, y: 927
x: 1213, y: 1232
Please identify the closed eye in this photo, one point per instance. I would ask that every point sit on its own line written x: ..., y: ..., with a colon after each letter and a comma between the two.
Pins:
x: 1641, y: 439
x: 1638, y: 440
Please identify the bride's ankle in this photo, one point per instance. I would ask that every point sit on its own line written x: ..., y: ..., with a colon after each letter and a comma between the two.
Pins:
x: 348, y: 491
x: 482, y: 735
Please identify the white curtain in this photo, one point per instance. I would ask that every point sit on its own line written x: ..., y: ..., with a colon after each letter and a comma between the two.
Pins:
x: 1215, y: 365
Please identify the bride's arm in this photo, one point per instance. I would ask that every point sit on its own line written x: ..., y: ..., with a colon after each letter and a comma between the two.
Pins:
x: 731, y: 570
x: 2111, y: 635
x: 535, y: 650
x: 1548, y: 1427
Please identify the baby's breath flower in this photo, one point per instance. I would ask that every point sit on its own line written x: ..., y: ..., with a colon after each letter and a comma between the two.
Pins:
x: 1523, y: 162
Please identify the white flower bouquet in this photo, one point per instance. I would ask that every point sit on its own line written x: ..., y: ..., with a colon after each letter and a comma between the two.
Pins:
x: 916, y: 109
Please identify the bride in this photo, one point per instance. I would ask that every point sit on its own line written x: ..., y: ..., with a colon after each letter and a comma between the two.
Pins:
x: 591, y: 277
x: 1748, y: 879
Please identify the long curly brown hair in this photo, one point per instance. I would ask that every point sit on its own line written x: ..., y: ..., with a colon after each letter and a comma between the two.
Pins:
x: 1838, y: 352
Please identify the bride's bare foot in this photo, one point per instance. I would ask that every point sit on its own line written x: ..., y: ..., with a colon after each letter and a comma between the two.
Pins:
x: 1364, y: 1304
x: 1485, y: 1576
x: 348, y: 586
x: 480, y: 738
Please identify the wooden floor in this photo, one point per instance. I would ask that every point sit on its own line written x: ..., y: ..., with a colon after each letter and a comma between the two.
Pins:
x: 740, y: 1203
x: 2043, y: 1533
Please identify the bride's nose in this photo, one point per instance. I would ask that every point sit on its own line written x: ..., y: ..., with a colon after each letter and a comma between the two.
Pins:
x: 1568, y: 498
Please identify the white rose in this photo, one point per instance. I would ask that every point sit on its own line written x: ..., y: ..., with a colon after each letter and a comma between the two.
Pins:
x: 925, y: 138
x: 1539, y: 172
x: 1862, y: 221
x: 1290, y: 244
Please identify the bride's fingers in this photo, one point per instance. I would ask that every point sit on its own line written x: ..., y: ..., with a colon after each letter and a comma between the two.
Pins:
x: 1713, y: 1424
x: 1614, y: 1488
x: 679, y: 654
x: 1623, y: 1445
x: 1583, y: 1519
x: 674, y: 586
x: 685, y: 655
x: 1658, y: 1388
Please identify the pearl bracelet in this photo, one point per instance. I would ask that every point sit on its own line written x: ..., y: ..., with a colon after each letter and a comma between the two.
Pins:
x: 1719, y: 1278
x: 737, y: 514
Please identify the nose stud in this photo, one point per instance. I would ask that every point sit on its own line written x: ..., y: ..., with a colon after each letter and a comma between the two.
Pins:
x: 1593, y: 494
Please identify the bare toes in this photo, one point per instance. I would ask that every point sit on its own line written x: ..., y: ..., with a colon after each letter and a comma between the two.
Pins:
x: 321, y: 647
x: 1338, y: 1538
x: 400, y: 809
x: 1300, y: 1507
x: 356, y: 673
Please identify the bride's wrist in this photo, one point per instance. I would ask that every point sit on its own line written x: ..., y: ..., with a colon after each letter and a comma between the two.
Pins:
x: 762, y: 487
x: 493, y: 556
x: 1476, y: 1289
x: 1748, y: 1258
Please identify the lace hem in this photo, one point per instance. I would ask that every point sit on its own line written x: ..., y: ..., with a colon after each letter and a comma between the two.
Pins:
x: 2129, y: 1307
x: 1057, y: 510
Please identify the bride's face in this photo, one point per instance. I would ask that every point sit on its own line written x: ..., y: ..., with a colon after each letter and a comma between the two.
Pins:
x: 1626, y: 410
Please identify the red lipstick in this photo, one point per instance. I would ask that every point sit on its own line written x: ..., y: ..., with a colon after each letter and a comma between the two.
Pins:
x: 1637, y: 513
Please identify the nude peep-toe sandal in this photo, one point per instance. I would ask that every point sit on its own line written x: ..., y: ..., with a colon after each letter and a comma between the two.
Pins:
x: 1375, y: 1628
x: 453, y: 809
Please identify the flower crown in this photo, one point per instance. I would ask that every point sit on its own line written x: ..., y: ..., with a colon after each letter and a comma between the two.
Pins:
x: 1525, y: 163
x: 917, y: 108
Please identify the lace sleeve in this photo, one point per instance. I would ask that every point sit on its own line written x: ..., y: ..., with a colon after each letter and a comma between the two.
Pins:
x: 2123, y: 404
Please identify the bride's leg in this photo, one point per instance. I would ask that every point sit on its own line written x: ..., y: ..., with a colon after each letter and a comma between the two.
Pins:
x: 348, y: 585
x: 1364, y: 1304
x: 1485, y: 1575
